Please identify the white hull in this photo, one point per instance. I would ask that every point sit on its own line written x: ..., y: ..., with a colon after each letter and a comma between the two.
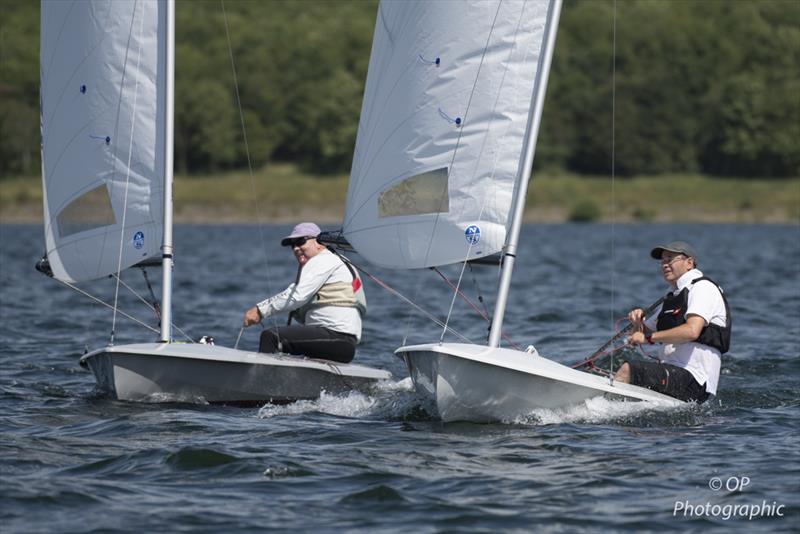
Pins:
x: 176, y: 372
x: 484, y: 384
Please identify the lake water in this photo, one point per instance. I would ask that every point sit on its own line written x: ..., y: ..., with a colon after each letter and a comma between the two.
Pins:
x: 74, y: 461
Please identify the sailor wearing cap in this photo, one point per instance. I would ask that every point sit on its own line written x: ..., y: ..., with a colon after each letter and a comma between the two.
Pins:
x: 327, y: 300
x: 692, y: 328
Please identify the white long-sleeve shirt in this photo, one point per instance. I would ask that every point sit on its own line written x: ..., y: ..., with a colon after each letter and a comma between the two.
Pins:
x: 324, y: 268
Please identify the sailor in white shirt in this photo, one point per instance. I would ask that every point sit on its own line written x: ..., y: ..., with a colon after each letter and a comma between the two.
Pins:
x: 327, y: 300
x: 692, y: 327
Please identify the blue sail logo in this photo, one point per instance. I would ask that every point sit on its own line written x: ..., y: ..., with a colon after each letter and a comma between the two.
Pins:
x: 473, y: 234
x: 138, y: 240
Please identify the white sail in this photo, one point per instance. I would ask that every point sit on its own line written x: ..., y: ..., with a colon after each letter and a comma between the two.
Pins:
x: 102, y: 101
x: 440, y: 138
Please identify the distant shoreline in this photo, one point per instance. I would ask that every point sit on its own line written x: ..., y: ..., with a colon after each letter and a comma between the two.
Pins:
x: 31, y: 214
x: 281, y: 193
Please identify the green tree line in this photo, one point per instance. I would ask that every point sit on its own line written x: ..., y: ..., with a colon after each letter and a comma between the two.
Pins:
x: 708, y: 86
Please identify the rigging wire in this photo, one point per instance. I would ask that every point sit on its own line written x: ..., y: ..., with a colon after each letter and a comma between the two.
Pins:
x: 453, y: 300
x: 411, y: 303
x: 496, y: 154
x: 613, y: 170
x: 130, y: 150
x: 460, y: 293
x: 150, y: 306
x: 253, y: 195
x: 107, y: 305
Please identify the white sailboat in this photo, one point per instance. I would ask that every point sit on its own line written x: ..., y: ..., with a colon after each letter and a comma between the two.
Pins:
x: 107, y: 134
x: 446, y: 139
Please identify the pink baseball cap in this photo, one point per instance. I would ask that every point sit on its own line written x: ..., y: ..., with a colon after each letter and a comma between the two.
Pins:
x: 304, y: 229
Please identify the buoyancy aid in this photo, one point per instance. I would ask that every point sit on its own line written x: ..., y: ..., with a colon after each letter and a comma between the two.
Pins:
x: 673, y: 313
x: 345, y: 294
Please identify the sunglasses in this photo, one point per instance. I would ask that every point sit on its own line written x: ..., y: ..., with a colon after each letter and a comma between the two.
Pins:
x: 299, y: 242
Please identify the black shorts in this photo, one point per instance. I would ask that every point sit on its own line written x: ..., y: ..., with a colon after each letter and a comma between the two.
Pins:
x: 669, y: 380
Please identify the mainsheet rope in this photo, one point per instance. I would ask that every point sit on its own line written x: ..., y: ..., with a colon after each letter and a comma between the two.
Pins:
x: 254, y: 196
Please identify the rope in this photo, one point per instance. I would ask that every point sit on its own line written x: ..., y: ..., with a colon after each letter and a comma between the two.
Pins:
x: 408, y: 301
x: 460, y: 293
x: 236, y: 346
x: 478, y: 291
x: 150, y: 306
x: 156, y: 305
x: 253, y: 195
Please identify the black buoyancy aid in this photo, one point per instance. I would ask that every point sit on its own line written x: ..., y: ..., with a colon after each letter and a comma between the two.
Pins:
x: 673, y: 313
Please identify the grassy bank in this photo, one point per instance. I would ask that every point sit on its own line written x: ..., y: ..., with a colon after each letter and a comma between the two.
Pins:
x: 281, y: 193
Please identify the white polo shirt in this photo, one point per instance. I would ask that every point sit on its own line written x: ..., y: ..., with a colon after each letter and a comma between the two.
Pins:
x: 324, y: 268
x: 702, y: 361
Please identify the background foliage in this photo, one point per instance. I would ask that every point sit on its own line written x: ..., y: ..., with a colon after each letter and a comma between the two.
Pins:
x: 708, y: 86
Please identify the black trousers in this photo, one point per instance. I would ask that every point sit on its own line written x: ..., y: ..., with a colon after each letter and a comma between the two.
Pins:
x: 669, y: 380
x: 310, y: 341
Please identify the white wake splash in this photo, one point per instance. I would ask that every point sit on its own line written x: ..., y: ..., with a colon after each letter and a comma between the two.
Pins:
x: 353, y: 404
x: 594, y: 411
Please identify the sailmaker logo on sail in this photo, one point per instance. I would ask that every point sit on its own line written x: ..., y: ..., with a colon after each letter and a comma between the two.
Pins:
x: 473, y: 234
x: 138, y: 240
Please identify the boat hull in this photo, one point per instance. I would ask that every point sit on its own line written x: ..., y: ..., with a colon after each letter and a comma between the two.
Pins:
x: 483, y: 384
x: 155, y: 372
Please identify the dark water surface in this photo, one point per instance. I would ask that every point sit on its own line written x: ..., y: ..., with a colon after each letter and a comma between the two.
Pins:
x: 73, y: 461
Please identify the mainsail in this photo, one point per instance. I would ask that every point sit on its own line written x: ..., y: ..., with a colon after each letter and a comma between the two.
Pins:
x: 102, y: 99
x: 440, y: 138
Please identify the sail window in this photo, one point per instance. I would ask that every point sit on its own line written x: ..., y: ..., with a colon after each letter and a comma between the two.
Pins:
x: 416, y: 195
x: 90, y: 210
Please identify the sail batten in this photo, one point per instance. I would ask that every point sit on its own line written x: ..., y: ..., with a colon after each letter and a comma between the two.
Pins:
x: 102, y: 97
x: 448, y: 87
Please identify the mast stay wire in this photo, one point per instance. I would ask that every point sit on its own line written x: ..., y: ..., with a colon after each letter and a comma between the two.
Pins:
x: 494, y: 164
x: 130, y: 150
x: 483, y: 315
x: 256, y: 206
x: 149, y: 305
x: 107, y: 305
x: 613, y: 172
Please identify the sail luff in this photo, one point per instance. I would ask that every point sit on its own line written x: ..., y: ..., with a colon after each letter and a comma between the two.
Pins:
x: 166, y: 247
x: 524, y: 174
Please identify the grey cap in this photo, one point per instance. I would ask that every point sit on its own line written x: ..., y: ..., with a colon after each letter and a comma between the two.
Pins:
x: 679, y: 247
x: 304, y: 229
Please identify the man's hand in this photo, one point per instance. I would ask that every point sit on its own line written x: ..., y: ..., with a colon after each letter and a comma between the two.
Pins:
x: 636, y: 318
x: 252, y: 316
x: 637, y: 338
